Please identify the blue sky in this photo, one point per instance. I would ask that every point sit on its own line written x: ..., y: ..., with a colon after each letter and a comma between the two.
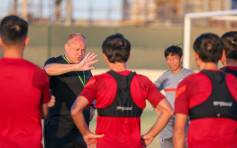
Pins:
x: 82, y: 9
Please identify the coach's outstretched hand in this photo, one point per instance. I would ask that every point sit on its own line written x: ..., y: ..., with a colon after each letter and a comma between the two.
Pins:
x: 86, y: 63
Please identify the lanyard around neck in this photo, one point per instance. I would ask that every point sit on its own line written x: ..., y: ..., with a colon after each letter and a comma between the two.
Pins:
x: 82, y: 82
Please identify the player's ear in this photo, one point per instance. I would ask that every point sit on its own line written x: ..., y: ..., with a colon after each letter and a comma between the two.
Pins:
x: 66, y: 46
x: 106, y: 58
x: 0, y: 41
x: 197, y: 59
x: 181, y: 59
x: 196, y: 56
x: 223, y: 57
x: 27, y: 40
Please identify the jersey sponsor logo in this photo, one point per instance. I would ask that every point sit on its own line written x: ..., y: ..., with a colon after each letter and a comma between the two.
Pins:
x: 222, y: 103
x: 123, y: 108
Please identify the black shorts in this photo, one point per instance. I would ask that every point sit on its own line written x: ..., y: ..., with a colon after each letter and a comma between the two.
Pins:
x: 60, y: 137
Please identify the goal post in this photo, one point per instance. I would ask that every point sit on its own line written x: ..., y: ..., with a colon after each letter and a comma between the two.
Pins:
x: 187, y: 29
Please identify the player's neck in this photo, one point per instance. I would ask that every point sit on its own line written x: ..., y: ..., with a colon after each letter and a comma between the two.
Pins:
x: 117, y: 66
x: 231, y: 62
x: 12, y: 53
x: 208, y: 66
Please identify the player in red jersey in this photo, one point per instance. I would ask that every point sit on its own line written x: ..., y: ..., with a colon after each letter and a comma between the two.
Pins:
x: 120, y: 99
x: 209, y: 98
x: 24, y: 89
x: 229, y: 55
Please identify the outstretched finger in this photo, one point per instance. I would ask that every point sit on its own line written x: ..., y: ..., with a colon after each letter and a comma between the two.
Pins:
x: 92, y: 56
x: 87, y: 55
x: 93, y: 62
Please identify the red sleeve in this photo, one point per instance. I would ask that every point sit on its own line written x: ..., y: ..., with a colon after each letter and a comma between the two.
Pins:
x: 231, y: 82
x: 153, y: 94
x: 192, y: 91
x: 41, y: 81
x: 89, y: 91
x: 181, y: 104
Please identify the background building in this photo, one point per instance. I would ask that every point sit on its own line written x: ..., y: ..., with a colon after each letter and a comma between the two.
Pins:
x: 107, y: 12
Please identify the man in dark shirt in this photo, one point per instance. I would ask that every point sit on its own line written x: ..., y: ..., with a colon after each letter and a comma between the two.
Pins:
x: 67, y: 79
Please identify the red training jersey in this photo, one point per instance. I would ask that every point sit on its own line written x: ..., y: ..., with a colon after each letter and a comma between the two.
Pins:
x: 24, y: 87
x: 120, y: 132
x: 205, y: 132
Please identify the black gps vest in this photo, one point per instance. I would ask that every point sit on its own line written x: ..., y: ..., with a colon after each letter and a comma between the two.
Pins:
x: 123, y: 104
x: 220, y: 104
x: 228, y: 70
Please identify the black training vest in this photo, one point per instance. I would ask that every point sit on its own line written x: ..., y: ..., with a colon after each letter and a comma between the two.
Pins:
x: 220, y: 104
x: 228, y: 70
x: 123, y: 104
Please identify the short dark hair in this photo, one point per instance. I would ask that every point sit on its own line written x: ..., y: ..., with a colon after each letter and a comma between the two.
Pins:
x: 230, y: 42
x: 13, y: 29
x: 209, y: 47
x: 232, y: 55
x: 117, y: 48
x: 174, y: 50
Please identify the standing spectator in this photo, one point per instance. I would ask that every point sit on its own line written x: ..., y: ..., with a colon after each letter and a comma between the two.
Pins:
x: 209, y: 98
x: 24, y: 89
x: 120, y: 99
x: 67, y: 79
x: 229, y: 55
x: 168, y: 82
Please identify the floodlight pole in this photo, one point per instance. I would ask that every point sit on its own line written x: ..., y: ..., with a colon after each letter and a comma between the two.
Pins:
x: 187, y: 29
